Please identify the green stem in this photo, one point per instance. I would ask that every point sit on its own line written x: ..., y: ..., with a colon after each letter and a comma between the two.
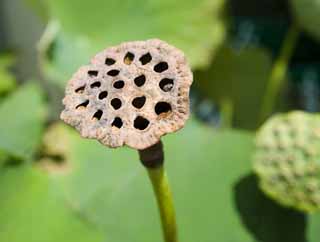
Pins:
x: 279, y: 71
x: 152, y: 158
x: 163, y: 195
x: 227, y: 112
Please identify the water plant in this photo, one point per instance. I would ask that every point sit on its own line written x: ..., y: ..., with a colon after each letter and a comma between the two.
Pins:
x: 133, y: 94
x: 287, y: 159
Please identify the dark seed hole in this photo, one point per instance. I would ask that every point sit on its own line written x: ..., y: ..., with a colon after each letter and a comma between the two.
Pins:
x: 162, y: 107
x: 129, y: 57
x: 161, y: 67
x: 113, y: 72
x: 80, y: 89
x: 118, y: 84
x: 138, y: 102
x: 145, y: 59
x: 103, y: 95
x: 166, y: 84
x: 116, y: 103
x: 140, y: 80
x: 117, y: 122
x: 93, y: 73
x: 95, y: 85
x: 109, y: 61
x: 84, y: 104
x: 141, y: 123
x: 98, y: 114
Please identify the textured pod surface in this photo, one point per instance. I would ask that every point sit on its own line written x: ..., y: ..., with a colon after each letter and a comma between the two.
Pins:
x: 287, y: 159
x: 131, y: 94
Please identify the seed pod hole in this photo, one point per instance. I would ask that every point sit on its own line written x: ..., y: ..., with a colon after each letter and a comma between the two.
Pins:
x: 93, y: 73
x: 166, y: 84
x: 84, y: 104
x: 95, y: 85
x: 145, y: 59
x: 161, y: 67
x: 80, y: 89
x: 141, y: 123
x: 103, y: 95
x: 97, y: 115
x: 117, y: 122
x: 109, y: 61
x: 113, y: 72
x: 129, y: 57
x: 140, y: 80
x: 116, y: 103
x: 162, y: 107
x: 130, y: 94
x: 118, y: 84
x: 139, y: 102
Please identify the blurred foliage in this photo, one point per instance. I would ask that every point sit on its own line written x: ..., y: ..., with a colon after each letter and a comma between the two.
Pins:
x: 307, y: 14
x: 258, y: 32
x: 111, y: 189
x: 22, y: 119
x: 40, y: 6
x: 237, y: 76
x: 278, y: 75
x: 7, y: 81
x: 313, y: 228
x: 43, y: 216
x: 3, y: 157
x: 78, y: 190
x: 197, y: 27
x: 108, y: 187
x: 91, y: 193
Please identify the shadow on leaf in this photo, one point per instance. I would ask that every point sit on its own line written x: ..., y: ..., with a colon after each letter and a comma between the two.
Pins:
x: 265, y: 219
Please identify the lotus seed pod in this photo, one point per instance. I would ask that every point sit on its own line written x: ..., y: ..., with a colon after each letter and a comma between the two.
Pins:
x: 287, y: 160
x: 130, y: 94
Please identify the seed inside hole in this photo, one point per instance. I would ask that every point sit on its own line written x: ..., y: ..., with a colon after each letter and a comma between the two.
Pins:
x: 113, y: 72
x: 117, y: 122
x: 141, y: 123
x: 138, y: 102
x: 129, y: 57
x: 162, y: 107
x: 84, y: 104
x: 98, y: 114
x: 80, y: 89
x: 93, y: 73
x: 140, y: 80
x: 116, y: 103
x: 118, y: 84
x: 161, y: 67
x: 110, y: 61
x: 103, y: 95
x: 166, y: 84
x: 95, y: 85
x: 145, y: 59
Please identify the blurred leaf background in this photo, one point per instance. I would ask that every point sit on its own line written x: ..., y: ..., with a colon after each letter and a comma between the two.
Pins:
x: 250, y: 59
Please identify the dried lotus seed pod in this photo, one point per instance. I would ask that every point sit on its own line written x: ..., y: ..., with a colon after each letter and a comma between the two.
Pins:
x: 287, y: 160
x: 130, y: 94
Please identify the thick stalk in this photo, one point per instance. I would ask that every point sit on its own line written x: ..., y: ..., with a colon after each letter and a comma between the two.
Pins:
x: 152, y: 158
x: 163, y: 195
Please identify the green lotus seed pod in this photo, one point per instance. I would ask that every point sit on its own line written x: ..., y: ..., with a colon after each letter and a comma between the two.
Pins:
x: 287, y: 160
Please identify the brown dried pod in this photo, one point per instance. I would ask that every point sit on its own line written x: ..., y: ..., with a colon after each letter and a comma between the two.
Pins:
x: 130, y: 94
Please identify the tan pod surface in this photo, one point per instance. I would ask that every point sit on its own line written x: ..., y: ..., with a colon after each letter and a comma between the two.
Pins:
x: 130, y: 94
